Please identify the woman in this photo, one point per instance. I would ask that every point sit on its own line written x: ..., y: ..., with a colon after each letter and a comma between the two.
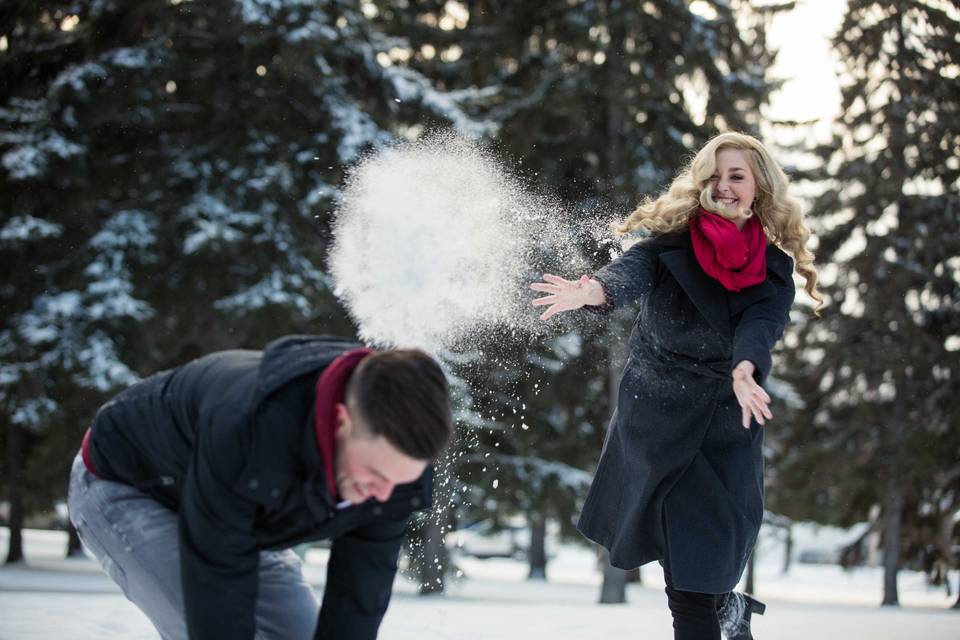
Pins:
x: 680, y: 478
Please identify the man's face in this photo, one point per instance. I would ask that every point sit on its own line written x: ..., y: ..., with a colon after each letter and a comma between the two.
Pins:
x: 366, y: 465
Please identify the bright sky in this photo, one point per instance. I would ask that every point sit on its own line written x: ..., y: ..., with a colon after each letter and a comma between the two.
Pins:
x: 802, y: 37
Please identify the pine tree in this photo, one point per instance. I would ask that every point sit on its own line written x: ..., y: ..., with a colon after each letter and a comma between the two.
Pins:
x: 876, y: 372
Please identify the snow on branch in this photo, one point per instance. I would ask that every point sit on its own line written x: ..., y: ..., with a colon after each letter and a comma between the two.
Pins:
x: 265, y: 12
x: 125, y: 234
x: 76, y: 77
x: 100, y: 365
x: 55, y: 329
x: 28, y: 228
x: 411, y: 86
x: 277, y: 288
x: 357, y: 129
x: 212, y: 220
x: 31, y: 152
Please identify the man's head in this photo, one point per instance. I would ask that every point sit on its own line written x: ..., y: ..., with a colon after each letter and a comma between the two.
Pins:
x: 395, y: 420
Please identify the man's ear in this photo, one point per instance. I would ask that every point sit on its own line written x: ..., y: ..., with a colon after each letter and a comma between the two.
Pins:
x: 343, y: 419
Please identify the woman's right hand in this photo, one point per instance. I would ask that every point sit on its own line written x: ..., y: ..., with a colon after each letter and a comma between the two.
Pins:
x: 567, y: 295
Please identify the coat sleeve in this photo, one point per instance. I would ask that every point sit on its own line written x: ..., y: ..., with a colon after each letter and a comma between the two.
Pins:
x: 218, y: 556
x: 628, y: 277
x: 761, y: 325
x: 360, y: 574
x: 218, y: 551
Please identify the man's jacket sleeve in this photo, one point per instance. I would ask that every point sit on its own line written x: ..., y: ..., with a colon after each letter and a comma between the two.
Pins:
x: 360, y: 574
x: 218, y: 551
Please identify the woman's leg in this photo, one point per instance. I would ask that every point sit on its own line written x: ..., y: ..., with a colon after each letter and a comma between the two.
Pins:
x: 694, y: 614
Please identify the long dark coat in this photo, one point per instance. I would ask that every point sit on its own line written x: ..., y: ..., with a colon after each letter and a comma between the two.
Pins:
x: 679, y: 479
x: 228, y: 442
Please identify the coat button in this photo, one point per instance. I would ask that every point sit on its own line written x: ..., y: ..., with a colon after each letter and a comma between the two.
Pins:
x: 415, y: 501
x: 377, y: 511
x: 254, y: 484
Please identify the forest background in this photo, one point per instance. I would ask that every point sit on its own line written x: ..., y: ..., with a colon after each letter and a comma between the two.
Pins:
x: 169, y: 171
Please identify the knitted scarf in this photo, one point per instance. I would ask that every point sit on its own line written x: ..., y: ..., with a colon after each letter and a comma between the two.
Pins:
x: 737, y: 258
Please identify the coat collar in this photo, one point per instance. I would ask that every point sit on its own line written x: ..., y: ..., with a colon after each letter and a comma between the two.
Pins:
x: 716, y: 304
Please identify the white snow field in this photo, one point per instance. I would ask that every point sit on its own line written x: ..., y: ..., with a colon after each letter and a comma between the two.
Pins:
x: 49, y: 597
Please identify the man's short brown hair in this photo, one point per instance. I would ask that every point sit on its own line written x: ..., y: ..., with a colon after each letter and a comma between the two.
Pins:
x: 403, y: 396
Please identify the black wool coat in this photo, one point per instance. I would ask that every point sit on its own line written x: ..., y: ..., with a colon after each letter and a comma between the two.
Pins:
x: 228, y: 442
x: 679, y: 479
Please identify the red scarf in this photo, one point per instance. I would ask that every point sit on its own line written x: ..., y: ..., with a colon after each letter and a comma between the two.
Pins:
x: 330, y: 390
x: 735, y: 257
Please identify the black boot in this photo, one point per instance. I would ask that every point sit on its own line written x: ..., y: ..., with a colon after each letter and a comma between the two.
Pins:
x: 734, y: 610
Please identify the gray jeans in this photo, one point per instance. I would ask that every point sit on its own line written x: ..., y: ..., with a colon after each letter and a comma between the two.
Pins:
x: 135, y: 539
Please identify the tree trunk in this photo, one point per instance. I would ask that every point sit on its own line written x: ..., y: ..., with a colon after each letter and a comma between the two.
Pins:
x: 537, y: 553
x: 74, y: 546
x: 893, y: 503
x: 788, y: 550
x: 614, y: 587
x: 435, y: 557
x: 14, y: 466
x: 893, y: 517
x: 750, y: 573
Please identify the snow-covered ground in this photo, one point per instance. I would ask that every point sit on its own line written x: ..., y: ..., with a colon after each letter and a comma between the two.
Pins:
x: 54, y: 598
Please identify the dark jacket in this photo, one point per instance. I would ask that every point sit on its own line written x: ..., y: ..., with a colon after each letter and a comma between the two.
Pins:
x: 228, y: 441
x: 679, y: 478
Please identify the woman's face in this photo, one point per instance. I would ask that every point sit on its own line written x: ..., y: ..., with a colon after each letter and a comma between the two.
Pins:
x: 733, y: 185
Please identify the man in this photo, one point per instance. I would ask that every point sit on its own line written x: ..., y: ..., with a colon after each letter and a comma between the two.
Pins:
x: 192, y: 485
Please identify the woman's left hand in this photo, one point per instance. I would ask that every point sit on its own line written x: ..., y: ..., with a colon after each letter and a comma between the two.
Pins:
x: 752, y: 398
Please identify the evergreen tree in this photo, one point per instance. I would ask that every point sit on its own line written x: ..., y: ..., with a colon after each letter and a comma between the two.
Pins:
x: 877, y: 372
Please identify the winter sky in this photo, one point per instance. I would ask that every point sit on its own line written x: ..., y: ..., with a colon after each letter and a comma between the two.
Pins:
x: 811, y: 90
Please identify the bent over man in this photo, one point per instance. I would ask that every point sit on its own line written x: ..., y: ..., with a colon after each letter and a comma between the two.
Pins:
x: 192, y: 485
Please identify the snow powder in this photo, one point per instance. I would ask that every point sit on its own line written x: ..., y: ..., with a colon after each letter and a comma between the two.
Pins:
x: 435, y: 242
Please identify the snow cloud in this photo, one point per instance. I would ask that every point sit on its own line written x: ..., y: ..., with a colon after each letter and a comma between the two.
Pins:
x: 434, y: 242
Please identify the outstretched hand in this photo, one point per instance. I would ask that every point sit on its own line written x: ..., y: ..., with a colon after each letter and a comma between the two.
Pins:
x: 752, y: 398
x: 566, y: 295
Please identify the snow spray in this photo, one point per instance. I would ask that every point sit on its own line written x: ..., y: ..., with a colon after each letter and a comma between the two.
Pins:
x: 434, y: 242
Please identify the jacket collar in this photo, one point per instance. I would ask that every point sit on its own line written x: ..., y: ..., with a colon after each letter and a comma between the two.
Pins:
x: 715, y: 303
x: 293, y: 356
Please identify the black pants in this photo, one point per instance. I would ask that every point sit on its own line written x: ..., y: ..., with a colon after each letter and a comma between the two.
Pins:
x: 694, y: 614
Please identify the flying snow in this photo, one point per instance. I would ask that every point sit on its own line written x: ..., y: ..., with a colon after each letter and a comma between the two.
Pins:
x: 434, y: 242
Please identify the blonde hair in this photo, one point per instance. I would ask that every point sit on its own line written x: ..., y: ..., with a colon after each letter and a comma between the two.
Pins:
x: 778, y: 212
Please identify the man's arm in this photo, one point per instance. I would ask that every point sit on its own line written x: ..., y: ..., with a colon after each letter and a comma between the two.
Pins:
x: 218, y: 552
x: 360, y: 574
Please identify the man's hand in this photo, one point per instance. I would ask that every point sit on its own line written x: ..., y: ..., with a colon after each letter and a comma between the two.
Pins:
x: 567, y: 295
x: 751, y: 396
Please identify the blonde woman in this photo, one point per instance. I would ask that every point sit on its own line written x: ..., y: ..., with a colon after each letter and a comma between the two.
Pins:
x: 680, y: 478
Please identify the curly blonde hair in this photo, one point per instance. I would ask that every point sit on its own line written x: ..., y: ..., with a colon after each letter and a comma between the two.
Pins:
x: 780, y: 214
